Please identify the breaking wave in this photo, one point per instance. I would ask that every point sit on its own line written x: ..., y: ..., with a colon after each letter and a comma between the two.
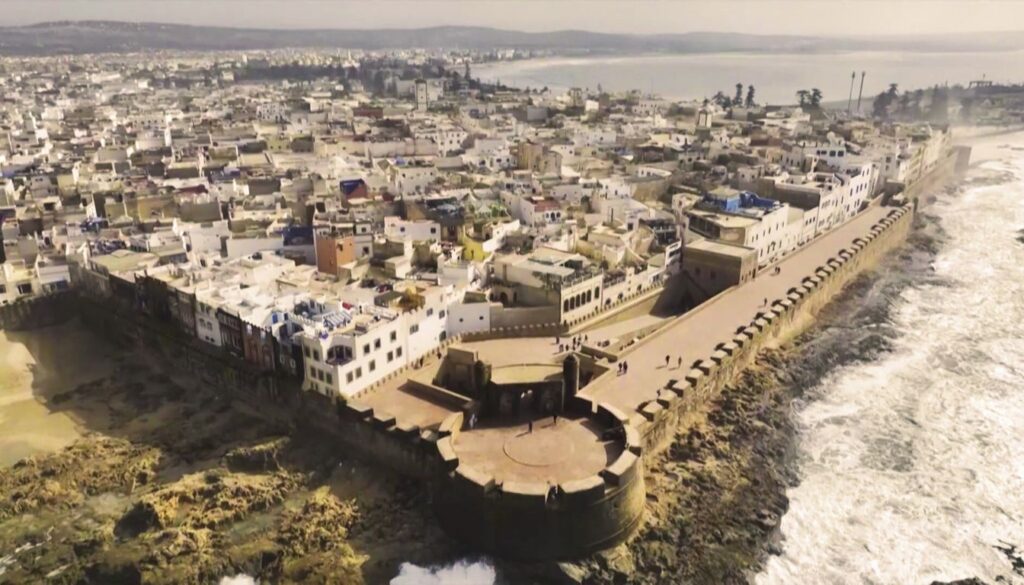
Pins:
x: 908, y: 447
x: 459, y: 573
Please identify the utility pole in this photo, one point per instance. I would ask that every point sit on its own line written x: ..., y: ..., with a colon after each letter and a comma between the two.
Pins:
x: 861, y: 92
x: 849, y: 101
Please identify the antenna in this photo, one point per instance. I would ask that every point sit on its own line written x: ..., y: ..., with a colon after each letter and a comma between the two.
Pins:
x: 861, y: 92
x: 849, y: 101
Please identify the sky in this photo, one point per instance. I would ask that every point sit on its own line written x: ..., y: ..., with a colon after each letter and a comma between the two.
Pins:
x: 801, y: 17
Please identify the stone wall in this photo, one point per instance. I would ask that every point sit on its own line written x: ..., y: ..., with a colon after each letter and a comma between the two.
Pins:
x: 375, y: 437
x: 38, y: 311
x: 783, y: 318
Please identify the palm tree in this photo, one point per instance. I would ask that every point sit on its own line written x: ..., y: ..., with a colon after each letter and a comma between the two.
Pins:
x: 802, y: 96
x: 750, y: 96
x: 815, y: 99
x: 739, y: 95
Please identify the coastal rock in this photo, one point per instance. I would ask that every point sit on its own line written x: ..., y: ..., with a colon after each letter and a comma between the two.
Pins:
x: 256, y: 458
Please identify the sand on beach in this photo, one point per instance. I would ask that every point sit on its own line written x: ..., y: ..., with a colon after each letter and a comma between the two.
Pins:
x: 34, y: 367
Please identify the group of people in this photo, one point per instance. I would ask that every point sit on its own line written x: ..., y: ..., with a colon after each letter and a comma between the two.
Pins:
x: 623, y: 367
x: 573, y: 344
x: 679, y: 361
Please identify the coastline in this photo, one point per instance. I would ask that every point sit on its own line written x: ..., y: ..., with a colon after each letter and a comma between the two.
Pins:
x: 725, y: 524
x: 733, y: 545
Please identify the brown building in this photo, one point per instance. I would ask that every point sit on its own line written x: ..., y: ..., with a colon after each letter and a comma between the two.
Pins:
x: 333, y: 251
x: 258, y: 346
x: 715, y: 266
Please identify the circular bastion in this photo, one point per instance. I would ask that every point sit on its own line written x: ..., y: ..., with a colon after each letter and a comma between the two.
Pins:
x: 541, y: 488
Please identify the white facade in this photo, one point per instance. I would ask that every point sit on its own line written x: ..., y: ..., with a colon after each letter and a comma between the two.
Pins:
x: 416, y: 230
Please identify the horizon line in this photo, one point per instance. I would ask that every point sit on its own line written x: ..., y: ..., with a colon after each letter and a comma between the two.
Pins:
x: 511, y: 30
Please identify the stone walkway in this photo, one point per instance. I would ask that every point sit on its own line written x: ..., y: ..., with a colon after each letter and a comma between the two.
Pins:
x: 694, y: 335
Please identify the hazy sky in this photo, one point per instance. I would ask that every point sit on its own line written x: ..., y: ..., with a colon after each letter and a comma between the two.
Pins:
x: 821, y: 17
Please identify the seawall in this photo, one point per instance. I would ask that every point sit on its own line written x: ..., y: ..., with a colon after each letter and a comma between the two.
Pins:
x: 358, y: 431
x: 783, y: 318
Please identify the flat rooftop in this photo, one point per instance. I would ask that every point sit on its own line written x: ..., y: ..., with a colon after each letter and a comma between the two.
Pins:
x: 554, y: 452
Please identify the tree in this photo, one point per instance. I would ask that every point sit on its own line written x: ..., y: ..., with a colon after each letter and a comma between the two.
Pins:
x: 721, y: 99
x: 802, y: 96
x: 815, y: 99
x: 739, y: 95
x: 750, y: 96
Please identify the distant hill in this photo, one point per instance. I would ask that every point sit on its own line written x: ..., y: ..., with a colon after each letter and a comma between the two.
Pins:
x: 119, y: 37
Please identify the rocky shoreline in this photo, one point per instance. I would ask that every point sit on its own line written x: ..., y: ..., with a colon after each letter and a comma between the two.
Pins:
x: 717, y: 493
x: 176, y: 486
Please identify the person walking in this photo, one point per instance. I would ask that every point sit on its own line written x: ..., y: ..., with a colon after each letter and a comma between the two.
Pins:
x: 667, y: 358
x: 680, y: 363
x: 529, y: 426
x: 625, y: 367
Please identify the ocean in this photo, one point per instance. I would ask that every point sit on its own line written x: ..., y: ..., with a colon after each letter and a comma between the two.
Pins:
x: 908, y: 451
x: 776, y: 77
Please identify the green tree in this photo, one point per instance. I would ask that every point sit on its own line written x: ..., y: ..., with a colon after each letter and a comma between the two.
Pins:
x: 750, y: 96
x: 738, y: 98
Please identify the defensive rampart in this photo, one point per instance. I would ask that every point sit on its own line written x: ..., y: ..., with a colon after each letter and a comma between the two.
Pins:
x: 534, y: 520
x: 783, y: 318
x: 39, y: 311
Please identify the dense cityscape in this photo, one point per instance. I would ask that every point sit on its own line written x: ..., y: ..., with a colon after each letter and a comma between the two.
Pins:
x: 514, y: 298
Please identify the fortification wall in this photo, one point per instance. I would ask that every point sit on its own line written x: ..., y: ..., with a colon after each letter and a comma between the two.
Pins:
x: 38, y: 311
x: 784, y: 318
x: 531, y: 521
x: 376, y: 437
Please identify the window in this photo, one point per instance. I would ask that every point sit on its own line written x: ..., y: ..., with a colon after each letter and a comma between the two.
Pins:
x: 366, y: 348
x: 394, y: 336
x: 316, y: 355
x: 398, y: 352
x: 441, y: 315
x: 430, y: 312
x: 25, y: 288
x: 373, y: 365
x: 376, y: 343
x: 414, y: 329
x: 3, y: 289
x: 359, y: 372
x: 391, y: 356
x: 329, y: 378
x: 348, y: 377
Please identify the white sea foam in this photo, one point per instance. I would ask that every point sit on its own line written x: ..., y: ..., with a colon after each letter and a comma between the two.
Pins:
x: 459, y: 573
x: 910, y: 466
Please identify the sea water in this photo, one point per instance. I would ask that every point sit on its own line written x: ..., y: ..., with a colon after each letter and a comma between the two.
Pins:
x: 911, y: 462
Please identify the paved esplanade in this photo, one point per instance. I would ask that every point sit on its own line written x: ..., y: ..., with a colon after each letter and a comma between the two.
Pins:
x: 695, y: 334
